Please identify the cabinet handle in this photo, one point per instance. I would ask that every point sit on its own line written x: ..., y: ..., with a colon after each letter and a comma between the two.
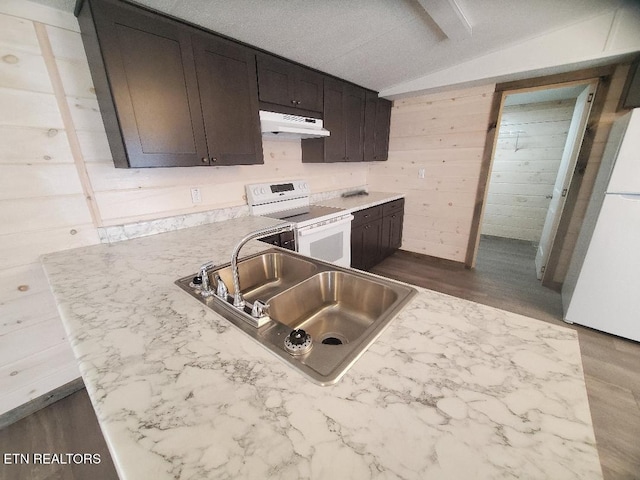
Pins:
x: 293, y: 101
x: 298, y: 102
x: 205, y: 160
x: 214, y: 159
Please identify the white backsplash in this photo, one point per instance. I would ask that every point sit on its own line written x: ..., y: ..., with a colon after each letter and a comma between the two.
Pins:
x: 118, y: 233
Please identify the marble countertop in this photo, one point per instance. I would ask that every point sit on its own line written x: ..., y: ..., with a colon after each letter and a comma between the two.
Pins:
x: 451, y: 390
x: 360, y: 202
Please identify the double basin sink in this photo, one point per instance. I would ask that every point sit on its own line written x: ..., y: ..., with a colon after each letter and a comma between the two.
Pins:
x: 343, y: 311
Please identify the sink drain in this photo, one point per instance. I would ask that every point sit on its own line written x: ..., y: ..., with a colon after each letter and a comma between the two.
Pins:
x: 333, y: 339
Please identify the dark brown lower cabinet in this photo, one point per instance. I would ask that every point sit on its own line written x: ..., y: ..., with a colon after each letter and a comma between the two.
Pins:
x: 376, y: 233
x: 365, y: 244
x: 392, y: 223
x: 285, y: 240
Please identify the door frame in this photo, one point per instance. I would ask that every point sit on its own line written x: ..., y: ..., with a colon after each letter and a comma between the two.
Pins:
x: 565, y: 173
x: 603, y: 76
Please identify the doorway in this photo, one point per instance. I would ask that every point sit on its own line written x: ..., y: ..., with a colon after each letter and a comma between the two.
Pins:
x: 534, y: 157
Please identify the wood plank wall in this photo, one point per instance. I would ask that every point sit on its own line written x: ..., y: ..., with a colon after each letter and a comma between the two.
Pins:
x: 531, y: 140
x: 42, y: 209
x: 444, y: 134
x: 58, y: 183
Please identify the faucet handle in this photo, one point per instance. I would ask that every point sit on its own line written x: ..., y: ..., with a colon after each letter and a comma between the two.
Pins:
x: 221, y: 288
x: 204, y: 276
x: 259, y: 309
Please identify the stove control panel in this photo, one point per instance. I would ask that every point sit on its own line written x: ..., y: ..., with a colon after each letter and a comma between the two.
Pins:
x: 261, y: 193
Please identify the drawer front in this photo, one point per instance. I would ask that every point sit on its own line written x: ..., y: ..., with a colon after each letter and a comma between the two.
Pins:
x: 367, y: 215
x: 393, y: 207
x: 288, y: 240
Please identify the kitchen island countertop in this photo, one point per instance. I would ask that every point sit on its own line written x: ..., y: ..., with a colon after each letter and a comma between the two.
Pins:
x: 451, y: 390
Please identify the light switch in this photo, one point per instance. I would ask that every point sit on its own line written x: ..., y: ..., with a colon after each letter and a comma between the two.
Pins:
x: 196, y: 197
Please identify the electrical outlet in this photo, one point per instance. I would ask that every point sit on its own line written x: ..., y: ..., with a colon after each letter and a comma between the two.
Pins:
x: 196, y: 196
x: 421, y: 173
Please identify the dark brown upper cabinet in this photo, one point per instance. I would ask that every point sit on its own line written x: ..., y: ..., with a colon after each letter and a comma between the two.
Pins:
x: 377, y: 121
x: 229, y: 97
x: 159, y: 107
x: 285, y: 84
x: 344, y: 107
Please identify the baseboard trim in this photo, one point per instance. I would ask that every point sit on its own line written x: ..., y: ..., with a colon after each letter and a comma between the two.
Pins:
x: 26, y: 409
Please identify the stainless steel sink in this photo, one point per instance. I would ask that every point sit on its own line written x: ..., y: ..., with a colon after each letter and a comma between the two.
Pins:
x: 265, y: 275
x: 333, y: 307
x: 343, y: 310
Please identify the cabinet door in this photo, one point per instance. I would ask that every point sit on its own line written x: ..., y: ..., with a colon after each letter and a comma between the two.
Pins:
x: 391, y: 237
x: 287, y: 84
x: 149, y: 97
x: 371, y: 106
x: 371, y: 237
x: 377, y: 120
x: 229, y: 96
x: 275, y: 81
x: 357, y: 247
x: 354, y: 103
x: 381, y: 130
x: 309, y: 88
x: 334, y: 121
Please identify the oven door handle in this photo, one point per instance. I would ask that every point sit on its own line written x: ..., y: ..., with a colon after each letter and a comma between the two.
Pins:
x: 312, y: 230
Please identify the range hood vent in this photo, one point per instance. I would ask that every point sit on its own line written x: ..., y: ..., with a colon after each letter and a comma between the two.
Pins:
x: 284, y: 126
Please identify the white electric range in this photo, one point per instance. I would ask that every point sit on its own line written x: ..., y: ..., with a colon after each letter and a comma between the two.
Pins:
x: 321, y: 232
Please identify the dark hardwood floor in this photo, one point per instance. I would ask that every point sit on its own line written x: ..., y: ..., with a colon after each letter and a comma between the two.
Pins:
x: 504, y: 278
x: 67, y: 426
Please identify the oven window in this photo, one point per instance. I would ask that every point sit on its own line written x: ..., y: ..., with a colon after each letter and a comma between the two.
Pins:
x: 329, y: 248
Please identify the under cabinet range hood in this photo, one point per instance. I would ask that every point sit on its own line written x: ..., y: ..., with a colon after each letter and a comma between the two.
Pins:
x: 276, y: 125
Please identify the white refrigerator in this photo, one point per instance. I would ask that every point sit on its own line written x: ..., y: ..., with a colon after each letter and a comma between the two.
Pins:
x: 602, y: 288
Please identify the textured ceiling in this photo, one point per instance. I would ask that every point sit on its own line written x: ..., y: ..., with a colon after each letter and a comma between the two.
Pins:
x: 376, y: 43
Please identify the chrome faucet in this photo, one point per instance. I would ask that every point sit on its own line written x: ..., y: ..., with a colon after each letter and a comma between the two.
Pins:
x: 238, y: 301
x: 206, y: 284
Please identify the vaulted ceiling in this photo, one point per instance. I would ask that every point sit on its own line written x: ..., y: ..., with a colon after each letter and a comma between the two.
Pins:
x: 380, y: 43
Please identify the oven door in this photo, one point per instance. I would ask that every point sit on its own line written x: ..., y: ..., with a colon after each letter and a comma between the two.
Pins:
x: 330, y: 242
